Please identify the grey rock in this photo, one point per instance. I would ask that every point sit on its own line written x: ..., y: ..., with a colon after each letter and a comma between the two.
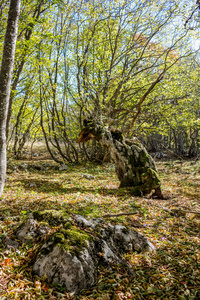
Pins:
x: 83, y: 222
x: 62, y: 267
x: 36, y: 154
x: 128, y: 237
x: 42, y: 230
x: 28, y: 231
x: 74, y: 266
x: 23, y: 166
x: 32, y: 184
x: 108, y: 254
x: 62, y: 167
x: 88, y: 176
x: 9, y: 243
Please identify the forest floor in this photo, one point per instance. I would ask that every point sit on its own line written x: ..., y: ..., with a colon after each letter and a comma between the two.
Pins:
x: 171, y: 272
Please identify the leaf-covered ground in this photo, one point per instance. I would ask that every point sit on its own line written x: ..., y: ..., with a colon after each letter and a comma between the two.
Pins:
x: 172, y: 272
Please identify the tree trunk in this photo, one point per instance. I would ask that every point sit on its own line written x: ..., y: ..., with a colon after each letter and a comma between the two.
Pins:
x: 181, y: 150
x: 134, y: 167
x: 5, y: 80
x: 27, y: 35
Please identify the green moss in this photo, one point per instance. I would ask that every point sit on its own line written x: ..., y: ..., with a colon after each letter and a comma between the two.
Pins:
x: 144, y: 157
x: 67, y: 225
x: 149, y: 180
x: 54, y: 239
x: 44, y: 223
x: 76, y: 237
x: 74, y: 241
x: 52, y: 217
x: 71, y: 240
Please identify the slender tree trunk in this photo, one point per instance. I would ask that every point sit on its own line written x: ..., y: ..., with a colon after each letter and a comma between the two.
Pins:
x: 5, y: 80
x: 28, y: 32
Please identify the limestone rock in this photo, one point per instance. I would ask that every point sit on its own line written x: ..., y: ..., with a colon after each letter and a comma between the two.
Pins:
x: 74, y: 272
x: 126, y: 238
x: 30, y: 230
x: 83, y: 222
x: 88, y: 176
x: 62, y: 167
x: 27, y: 232
x: 70, y: 257
x: 9, y: 243
x: 132, y: 240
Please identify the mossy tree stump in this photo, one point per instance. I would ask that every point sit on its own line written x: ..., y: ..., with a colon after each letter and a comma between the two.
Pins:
x: 134, y: 167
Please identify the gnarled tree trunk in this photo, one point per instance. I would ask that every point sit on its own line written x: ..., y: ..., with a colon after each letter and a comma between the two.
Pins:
x: 134, y: 167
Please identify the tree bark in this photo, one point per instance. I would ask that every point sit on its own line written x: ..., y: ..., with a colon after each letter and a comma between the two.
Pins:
x: 5, y: 80
x: 28, y: 32
x: 134, y: 167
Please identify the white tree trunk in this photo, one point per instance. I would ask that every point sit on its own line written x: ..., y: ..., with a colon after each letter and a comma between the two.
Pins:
x: 5, y: 80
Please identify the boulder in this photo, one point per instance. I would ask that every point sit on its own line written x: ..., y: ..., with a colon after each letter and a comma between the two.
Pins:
x: 30, y: 230
x: 70, y: 257
x: 9, y: 243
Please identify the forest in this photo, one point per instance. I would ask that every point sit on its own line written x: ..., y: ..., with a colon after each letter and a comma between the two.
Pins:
x: 99, y: 149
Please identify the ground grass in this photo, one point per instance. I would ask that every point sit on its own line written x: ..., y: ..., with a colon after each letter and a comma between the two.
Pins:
x: 172, y: 272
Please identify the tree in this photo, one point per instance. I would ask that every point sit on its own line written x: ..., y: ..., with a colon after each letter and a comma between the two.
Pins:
x: 32, y: 14
x: 5, y: 80
x: 134, y: 167
x: 170, y: 120
x: 112, y: 62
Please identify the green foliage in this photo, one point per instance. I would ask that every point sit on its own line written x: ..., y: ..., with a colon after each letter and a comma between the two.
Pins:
x: 106, y: 57
x: 174, y: 110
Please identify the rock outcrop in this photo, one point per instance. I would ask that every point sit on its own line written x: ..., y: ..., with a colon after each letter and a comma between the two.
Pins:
x: 70, y: 256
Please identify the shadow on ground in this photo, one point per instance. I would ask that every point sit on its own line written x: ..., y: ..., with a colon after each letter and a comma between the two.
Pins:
x: 47, y: 186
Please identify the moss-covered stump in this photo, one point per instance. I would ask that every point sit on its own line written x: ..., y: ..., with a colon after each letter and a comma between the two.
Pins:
x: 134, y: 167
x: 70, y: 256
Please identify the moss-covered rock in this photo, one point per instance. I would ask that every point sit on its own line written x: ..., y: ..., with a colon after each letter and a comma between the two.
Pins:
x: 75, y: 239
x: 52, y: 217
x: 60, y: 266
x: 70, y: 257
x: 30, y: 230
